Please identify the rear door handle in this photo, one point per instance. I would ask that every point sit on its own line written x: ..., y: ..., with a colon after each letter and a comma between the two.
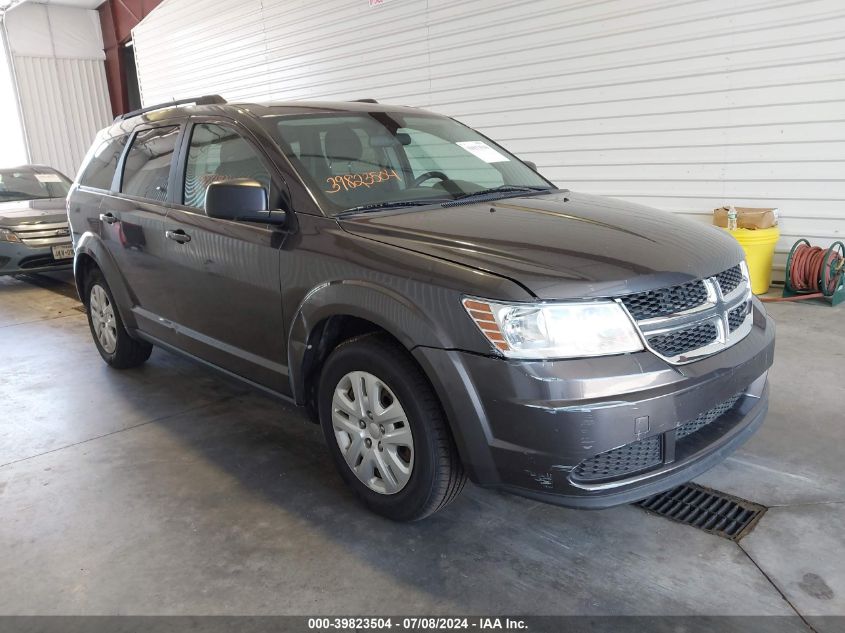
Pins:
x: 108, y: 218
x: 178, y: 236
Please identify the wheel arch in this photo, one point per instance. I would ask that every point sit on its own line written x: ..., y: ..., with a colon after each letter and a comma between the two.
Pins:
x: 90, y: 254
x: 334, y: 312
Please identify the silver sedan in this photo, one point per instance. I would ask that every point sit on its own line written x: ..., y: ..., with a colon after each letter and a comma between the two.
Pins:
x: 34, y: 234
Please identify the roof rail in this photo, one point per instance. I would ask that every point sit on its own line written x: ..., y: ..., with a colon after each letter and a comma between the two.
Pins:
x: 364, y: 101
x: 204, y: 100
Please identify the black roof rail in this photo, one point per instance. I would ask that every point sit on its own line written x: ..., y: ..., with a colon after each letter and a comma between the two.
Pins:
x: 364, y: 101
x: 204, y: 100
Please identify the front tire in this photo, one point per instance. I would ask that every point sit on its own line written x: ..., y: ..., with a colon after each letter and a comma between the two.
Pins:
x: 117, y: 348
x: 386, y: 430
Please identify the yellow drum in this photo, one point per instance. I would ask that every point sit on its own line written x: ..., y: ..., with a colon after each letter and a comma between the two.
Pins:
x: 759, y: 247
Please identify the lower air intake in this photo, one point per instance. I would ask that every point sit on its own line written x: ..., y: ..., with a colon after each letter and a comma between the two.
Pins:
x: 626, y: 460
x: 705, y: 418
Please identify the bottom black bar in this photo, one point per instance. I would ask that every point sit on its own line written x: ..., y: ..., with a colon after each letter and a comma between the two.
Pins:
x: 394, y: 624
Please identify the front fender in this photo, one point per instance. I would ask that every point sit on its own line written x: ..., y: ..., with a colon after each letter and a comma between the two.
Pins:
x: 385, y: 307
x: 91, y: 245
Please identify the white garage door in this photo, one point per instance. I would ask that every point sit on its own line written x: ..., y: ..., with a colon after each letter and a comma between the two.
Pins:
x: 57, y: 57
x: 683, y: 105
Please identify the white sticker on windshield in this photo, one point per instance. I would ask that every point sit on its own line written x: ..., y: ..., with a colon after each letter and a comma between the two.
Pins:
x: 48, y: 178
x: 483, y: 151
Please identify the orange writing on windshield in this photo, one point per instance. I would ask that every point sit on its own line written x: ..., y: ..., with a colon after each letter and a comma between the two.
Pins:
x: 367, y: 179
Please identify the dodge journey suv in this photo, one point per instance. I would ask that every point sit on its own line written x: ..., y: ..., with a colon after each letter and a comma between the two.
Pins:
x: 443, y: 310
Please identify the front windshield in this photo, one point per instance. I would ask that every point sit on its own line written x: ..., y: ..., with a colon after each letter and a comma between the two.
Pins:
x: 370, y: 160
x: 28, y: 185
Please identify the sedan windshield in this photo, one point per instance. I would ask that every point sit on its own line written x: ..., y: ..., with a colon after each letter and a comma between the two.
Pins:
x: 25, y: 184
x: 375, y: 160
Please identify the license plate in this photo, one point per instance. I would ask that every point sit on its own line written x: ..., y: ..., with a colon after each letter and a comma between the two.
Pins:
x: 63, y: 251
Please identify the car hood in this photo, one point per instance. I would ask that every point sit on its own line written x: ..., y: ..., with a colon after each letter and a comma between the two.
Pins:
x: 560, y: 245
x: 32, y: 212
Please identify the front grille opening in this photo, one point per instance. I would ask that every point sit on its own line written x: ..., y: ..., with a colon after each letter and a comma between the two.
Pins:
x: 657, y: 303
x: 729, y: 279
x: 709, y: 510
x: 679, y: 320
x: 680, y: 341
x: 736, y: 317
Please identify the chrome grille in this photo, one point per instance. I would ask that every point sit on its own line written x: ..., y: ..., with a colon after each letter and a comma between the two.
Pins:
x: 40, y: 235
x: 685, y: 323
x: 657, y: 303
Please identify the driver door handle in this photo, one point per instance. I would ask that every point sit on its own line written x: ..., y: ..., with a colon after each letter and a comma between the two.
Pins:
x: 178, y: 236
x: 108, y: 218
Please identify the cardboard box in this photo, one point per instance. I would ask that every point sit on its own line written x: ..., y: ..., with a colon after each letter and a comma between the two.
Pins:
x: 747, y: 218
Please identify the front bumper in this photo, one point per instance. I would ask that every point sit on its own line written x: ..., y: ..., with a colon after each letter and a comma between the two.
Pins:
x: 18, y: 258
x: 526, y: 426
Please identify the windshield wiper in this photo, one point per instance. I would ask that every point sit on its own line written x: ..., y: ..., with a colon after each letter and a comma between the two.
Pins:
x: 503, y: 189
x: 376, y: 206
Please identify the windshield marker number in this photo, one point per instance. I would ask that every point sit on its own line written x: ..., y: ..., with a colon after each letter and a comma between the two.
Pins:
x: 367, y: 179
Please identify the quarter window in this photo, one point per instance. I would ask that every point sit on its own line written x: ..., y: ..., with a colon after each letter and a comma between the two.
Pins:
x: 216, y: 154
x: 147, y: 166
x: 99, y: 172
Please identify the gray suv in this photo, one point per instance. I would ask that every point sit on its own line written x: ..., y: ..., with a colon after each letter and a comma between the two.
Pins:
x: 442, y: 309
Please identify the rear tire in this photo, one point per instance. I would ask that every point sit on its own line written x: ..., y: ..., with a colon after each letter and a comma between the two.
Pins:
x: 386, y: 430
x: 117, y: 348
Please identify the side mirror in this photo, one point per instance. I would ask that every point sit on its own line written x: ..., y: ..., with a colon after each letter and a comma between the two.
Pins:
x: 531, y: 164
x: 242, y: 200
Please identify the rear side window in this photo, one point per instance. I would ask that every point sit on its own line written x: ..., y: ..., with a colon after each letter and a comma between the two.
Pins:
x: 146, y: 169
x: 99, y: 171
x: 218, y: 153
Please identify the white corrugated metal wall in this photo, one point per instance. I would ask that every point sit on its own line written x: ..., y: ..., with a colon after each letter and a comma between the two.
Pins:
x: 683, y: 105
x: 57, y: 54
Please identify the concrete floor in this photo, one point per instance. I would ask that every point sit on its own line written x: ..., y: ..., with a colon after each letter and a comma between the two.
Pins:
x: 168, y: 490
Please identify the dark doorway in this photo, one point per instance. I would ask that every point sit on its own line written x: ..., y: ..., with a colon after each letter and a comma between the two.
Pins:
x: 130, y: 77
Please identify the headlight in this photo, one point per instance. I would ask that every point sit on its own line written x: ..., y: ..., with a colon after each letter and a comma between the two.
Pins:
x: 8, y: 236
x: 555, y: 330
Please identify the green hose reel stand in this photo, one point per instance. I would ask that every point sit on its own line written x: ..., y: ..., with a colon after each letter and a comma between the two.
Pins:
x: 834, y: 264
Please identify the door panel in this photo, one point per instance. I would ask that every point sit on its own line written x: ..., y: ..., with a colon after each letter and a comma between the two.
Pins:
x: 132, y: 226
x: 226, y: 274
x: 133, y: 231
x: 225, y: 286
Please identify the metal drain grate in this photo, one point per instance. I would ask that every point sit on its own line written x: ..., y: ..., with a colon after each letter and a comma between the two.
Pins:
x: 709, y: 510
